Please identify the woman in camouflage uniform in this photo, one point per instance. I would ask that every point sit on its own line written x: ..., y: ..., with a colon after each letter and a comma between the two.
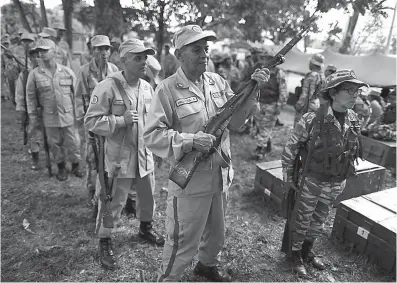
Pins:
x: 327, y: 141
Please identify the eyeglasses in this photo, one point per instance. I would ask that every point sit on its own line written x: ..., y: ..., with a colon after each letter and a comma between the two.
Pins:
x: 353, y: 90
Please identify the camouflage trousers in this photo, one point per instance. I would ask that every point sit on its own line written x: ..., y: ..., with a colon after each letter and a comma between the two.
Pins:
x: 265, y: 121
x: 314, y: 206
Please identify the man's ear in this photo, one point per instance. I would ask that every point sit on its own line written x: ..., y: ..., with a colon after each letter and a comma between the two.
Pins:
x: 178, y: 54
x: 332, y: 93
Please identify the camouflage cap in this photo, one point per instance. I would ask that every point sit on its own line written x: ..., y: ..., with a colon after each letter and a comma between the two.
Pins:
x: 58, y: 25
x: 317, y: 59
x: 100, y: 40
x: 134, y: 46
x: 47, y: 32
x: 191, y: 33
x: 27, y: 36
x: 341, y: 76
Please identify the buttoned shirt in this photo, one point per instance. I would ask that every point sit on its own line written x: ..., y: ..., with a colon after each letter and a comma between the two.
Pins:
x: 104, y: 117
x: 53, y: 93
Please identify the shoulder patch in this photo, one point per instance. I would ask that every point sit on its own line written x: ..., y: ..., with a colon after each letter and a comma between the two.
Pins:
x: 187, y: 100
x: 94, y: 99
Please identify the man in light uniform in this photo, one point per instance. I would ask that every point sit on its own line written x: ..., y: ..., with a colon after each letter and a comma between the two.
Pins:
x: 61, y: 55
x: 312, y: 84
x: 118, y: 109
x: 34, y: 132
x: 88, y: 78
x: 183, y: 103
x: 50, y: 96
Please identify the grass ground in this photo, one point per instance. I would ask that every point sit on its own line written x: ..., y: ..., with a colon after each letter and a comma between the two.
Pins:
x: 61, y: 246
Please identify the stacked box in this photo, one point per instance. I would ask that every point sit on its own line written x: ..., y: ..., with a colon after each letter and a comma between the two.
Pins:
x: 269, y: 181
x: 380, y: 152
x: 369, y: 223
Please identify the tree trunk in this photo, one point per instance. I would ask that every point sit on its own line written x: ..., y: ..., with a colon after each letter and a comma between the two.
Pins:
x: 160, y: 32
x: 44, y: 20
x: 24, y: 20
x: 345, y: 48
x: 67, y: 17
x: 108, y: 17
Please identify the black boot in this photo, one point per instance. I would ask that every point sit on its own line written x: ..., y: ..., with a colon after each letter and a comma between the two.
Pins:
x: 62, y: 174
x: 212, y: 273
x: 309, y: 256
x: 35, y: 161
x: 130, y: 207
x: 259, y: 153
x: 278, y: 123
x: 147, y: 232
x: 297, y: 262
x: 106, y: 255
x: 76, y: 170
x: 269, y: 146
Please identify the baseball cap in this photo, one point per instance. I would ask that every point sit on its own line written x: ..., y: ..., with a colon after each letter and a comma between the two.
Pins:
x: 100, y: 40
x: 317, y: 59
x: 27, y: 36
x: 191, y: 33
x: 134, y: 46
x: 341, y: 76
x: 47, y: 32
x: 58, y: 25
x: 45, y: 43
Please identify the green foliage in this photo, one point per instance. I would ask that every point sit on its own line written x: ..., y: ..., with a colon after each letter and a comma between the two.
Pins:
x: 10, y: 20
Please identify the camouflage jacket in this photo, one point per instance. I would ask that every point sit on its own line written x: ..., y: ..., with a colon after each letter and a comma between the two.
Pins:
x: 303, y: 133
x: 309, y: 87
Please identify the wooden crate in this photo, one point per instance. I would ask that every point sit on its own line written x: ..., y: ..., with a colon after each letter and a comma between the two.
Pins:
x: 369, y: 223
x: 380, y: 152
x: 269, y: 180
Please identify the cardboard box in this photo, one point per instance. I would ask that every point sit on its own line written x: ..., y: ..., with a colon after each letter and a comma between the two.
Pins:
x: 269, y: 182
x: 369, y: 224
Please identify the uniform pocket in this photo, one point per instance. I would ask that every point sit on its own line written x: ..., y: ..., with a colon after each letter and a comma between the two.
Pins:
x: 219, y: 98
x: 118, y: 107
x: 66, y: 85
x: 43, y: 85
x: 185, y: 108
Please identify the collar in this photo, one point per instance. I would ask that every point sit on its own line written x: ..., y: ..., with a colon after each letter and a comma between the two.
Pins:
x: 94, y: 67
x: 181, y: 81
x: 330, y: 118
x: 43, y: 70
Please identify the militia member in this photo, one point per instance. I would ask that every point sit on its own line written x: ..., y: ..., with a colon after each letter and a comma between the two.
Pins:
x: 61, y: 54
x: 363, y: 110
x: 377, y: 105
x: 33, y: 130
x: 312, y: 84
x: 88, y: 78
x: 183, y: 103
x: 118, y: 110
x: 169, y: 62
x: 50, y: 96
x: 273, y: 97
x: 115, y: 56
x: 335, y: 130
x: 330, y: 69
x: 384, y: 128
x: 229, y: 72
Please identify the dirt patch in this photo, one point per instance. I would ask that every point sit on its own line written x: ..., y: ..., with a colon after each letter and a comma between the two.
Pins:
x: 61, y: 245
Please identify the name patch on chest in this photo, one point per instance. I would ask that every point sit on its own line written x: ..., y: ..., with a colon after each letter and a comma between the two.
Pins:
x: 187, y: 100
x: 118, y: 102
x: 217, y: 94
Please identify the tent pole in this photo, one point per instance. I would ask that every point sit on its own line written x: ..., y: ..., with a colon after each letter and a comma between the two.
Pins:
x: 387, y: 47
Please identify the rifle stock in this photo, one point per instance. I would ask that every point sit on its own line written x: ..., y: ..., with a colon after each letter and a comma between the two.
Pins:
x: 24, y: 82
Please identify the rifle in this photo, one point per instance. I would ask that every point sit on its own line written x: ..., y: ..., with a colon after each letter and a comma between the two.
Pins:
x: 294, y: 195
x: 182, y: 171
x: 24, y: 82
x: 10, y: 54
x: 45, y: 140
